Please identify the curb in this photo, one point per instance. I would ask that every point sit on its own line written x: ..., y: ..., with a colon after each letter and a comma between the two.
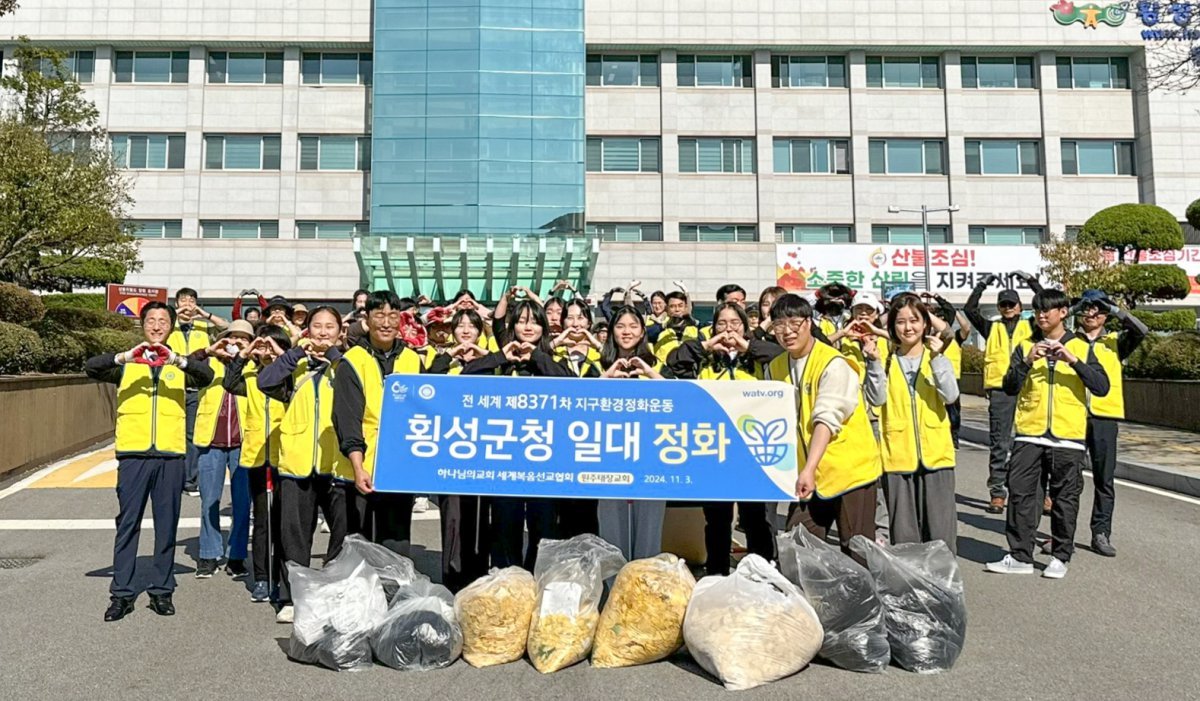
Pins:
x: 1142, y: 473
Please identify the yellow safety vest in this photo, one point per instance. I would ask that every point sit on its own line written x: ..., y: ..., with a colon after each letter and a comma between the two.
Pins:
x: 210, y: 407
x: 852, y: 348
x: 852, y: 458
x: 829, y: 328
x: 1053, y: 403
x: 999, y: 351
x: 591, y: 360
x: 261, y: 420
x: 151, y: 414
x: 914, y: 424
x: 192, y: 341
x: 953, y: 353
x: 668, y: 340
x: 363, y: 364
x: 308, y: 444
x: 1111, y: 405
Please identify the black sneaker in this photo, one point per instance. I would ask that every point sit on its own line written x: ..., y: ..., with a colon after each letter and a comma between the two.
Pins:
x: 205, y: 569
x: 1102, y: 545
x: 236, y: 569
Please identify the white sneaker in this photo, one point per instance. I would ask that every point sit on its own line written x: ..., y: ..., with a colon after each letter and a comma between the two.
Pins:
x: 1009, y: 565
x: 420, y: 505
x: 1057, y: 569
x: 285, y: 615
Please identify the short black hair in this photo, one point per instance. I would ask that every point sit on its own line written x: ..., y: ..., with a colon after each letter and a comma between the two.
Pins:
x: 677, y: 295
x: 470, y: 315
x: 791, y: 306
x: 1046, y: 300
x: 186, y: 292
x: 382, y: 298
x: 583, y: 308
x: 555, y: 300
x: 725, y: 290
x: 660, y: 294
x: 151, y: 306
x: 406, y: 304
x: 357, y: 293
x: 277, y: 334
x: 737, y: 309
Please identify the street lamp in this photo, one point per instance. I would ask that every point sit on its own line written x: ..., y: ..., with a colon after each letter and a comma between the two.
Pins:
x: 924, y: 210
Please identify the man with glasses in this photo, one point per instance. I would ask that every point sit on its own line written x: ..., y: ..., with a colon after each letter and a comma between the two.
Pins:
x: 1111, y: 348
x: 1003, y: 335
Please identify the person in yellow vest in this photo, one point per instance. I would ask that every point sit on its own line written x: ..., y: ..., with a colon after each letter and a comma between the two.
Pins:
x: 678, y: 327
x: 218, y: 435
x: 833, y: 301
x: 729, y: 293
x: 838, y: 456
x: 1003, y: 336
x: 912, y: 388
x: 1051, y: 374
x: 1111, y: 348
x: 259, y: 457
x: 151, y: 445
x: 730, y: 353
x: 943, y: 314
x: 863, y: 327
x: 357, y: 403
x: 579, y: 350
x: 191, y: 333
x: 309, y: 460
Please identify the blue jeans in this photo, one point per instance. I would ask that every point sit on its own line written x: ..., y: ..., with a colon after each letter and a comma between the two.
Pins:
x: 213, y: 464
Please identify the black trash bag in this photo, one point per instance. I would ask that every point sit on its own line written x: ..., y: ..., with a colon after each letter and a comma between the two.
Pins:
x: 339, y: 652
x: 420, y: 631
x: 336, y: 608
x: 843, y: 594
x: 922, y: 593
x: 394, y: 570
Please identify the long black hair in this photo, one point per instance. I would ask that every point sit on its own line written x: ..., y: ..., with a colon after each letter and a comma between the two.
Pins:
x: 583, y: 308
x: 745, y: 361
x: 611, y: 352
x: 537, y: 313
x: 470, y: 315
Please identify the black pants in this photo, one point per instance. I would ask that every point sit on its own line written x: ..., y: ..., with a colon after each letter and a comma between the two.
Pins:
x: 390, y: 516
x: 954, y: 413
x: 510, y: 517
x: 853, y: 512
x: 264, y: 540
x: 1002, y: 409
x: 1102, y: 447
x: 465, y: 539
x: 718, y: 530
x: 298, y: 501
x: 1025, y: 496
x: 191, y: 404
x: 140, y: 479
x: 578, y: 516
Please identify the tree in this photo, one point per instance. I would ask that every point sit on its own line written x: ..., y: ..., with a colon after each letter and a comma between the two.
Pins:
x: 1193, y: 215
x: 7, y: 6
x: 1128, y: 231
x: 1076, y: 266
x: 62, y: 198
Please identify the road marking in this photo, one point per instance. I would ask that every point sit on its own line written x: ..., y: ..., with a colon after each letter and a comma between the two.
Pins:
x: 48, y: 470
x: 109, y: 524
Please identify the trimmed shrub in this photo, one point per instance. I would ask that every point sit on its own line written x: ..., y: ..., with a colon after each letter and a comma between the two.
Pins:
x: 77, y: 300
x: 1174, y: 320
x: 20, y: 349
x: 972, y: 359
x: 1130, y: 227
x: 97, y: 341
x: 63, y: 353
x: 1174, y: 357
x: 1140, y: 282
x: 18, y: 305
x: 1193, y: 214
x: 76, y: 319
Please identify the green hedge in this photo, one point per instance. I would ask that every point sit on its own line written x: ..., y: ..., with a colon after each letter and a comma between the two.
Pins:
x: 1174, y: 357
x: 972, y: 359
x: 18, y: 305
x: 76, y: 319
x: 1174, y: 320
x: 77, y: 300
x: 63, y: 353
x: 20, y: 349
x: 97, y: 341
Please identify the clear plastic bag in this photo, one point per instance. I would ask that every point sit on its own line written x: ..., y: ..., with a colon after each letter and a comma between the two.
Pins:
x: 751, y: 627
x: 494, y: 612
x: 570, y: 577
x: 394, y: 570
x: 843, y: 594
x: 419, y: 631
x: 922, y: 593
x: 335, y: 610
x: 642, y: 621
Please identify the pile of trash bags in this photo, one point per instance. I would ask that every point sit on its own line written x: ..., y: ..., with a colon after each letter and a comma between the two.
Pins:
x: 494, y: 612
x: 642, y: 620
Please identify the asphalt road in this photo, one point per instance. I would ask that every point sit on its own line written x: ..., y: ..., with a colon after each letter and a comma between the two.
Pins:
x: 1113, y: 629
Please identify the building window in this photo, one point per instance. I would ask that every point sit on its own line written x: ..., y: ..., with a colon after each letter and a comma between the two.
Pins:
x: 335, y: 153
x: 718, y: 233
x: 254, y: 68
x: 716, y: 155
x: 331, y: 229
x: 79, y: 144
x: 1006, y: 235
x: 632, y: 70
x: 241, y: 152
x: 1093, y: 73
x: 150, y: 66
x: 336, y: 69
x: 907, y: 156
x: 1003, y: 157
x: 903, y: 72
x: 81, y: 65
x: 149, y: 151
x: 1098, y: 157
x: 909, y: 234
x: 157, y: 228
x: 239, y: 229
x: 716, y: 71
x: 808, y: 71
x: 613, y: 154
x: 812, y: 233
x: 626, y: 233
x: 998, y: 72
x: 812, y: 156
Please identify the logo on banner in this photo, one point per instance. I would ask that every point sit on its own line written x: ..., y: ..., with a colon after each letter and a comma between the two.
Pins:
x: 426, y: 392
x: 767, y: 441
x: 399, y: 391
x: 878, y: 258
x: 1090, y: 15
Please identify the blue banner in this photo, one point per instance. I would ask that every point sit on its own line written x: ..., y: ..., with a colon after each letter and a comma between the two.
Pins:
x: 588, y: 438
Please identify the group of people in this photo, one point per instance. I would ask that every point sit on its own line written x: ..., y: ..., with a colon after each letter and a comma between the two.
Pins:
x: 286, y: 401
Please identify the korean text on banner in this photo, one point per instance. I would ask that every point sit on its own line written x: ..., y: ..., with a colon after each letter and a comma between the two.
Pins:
x: 588, y: 438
